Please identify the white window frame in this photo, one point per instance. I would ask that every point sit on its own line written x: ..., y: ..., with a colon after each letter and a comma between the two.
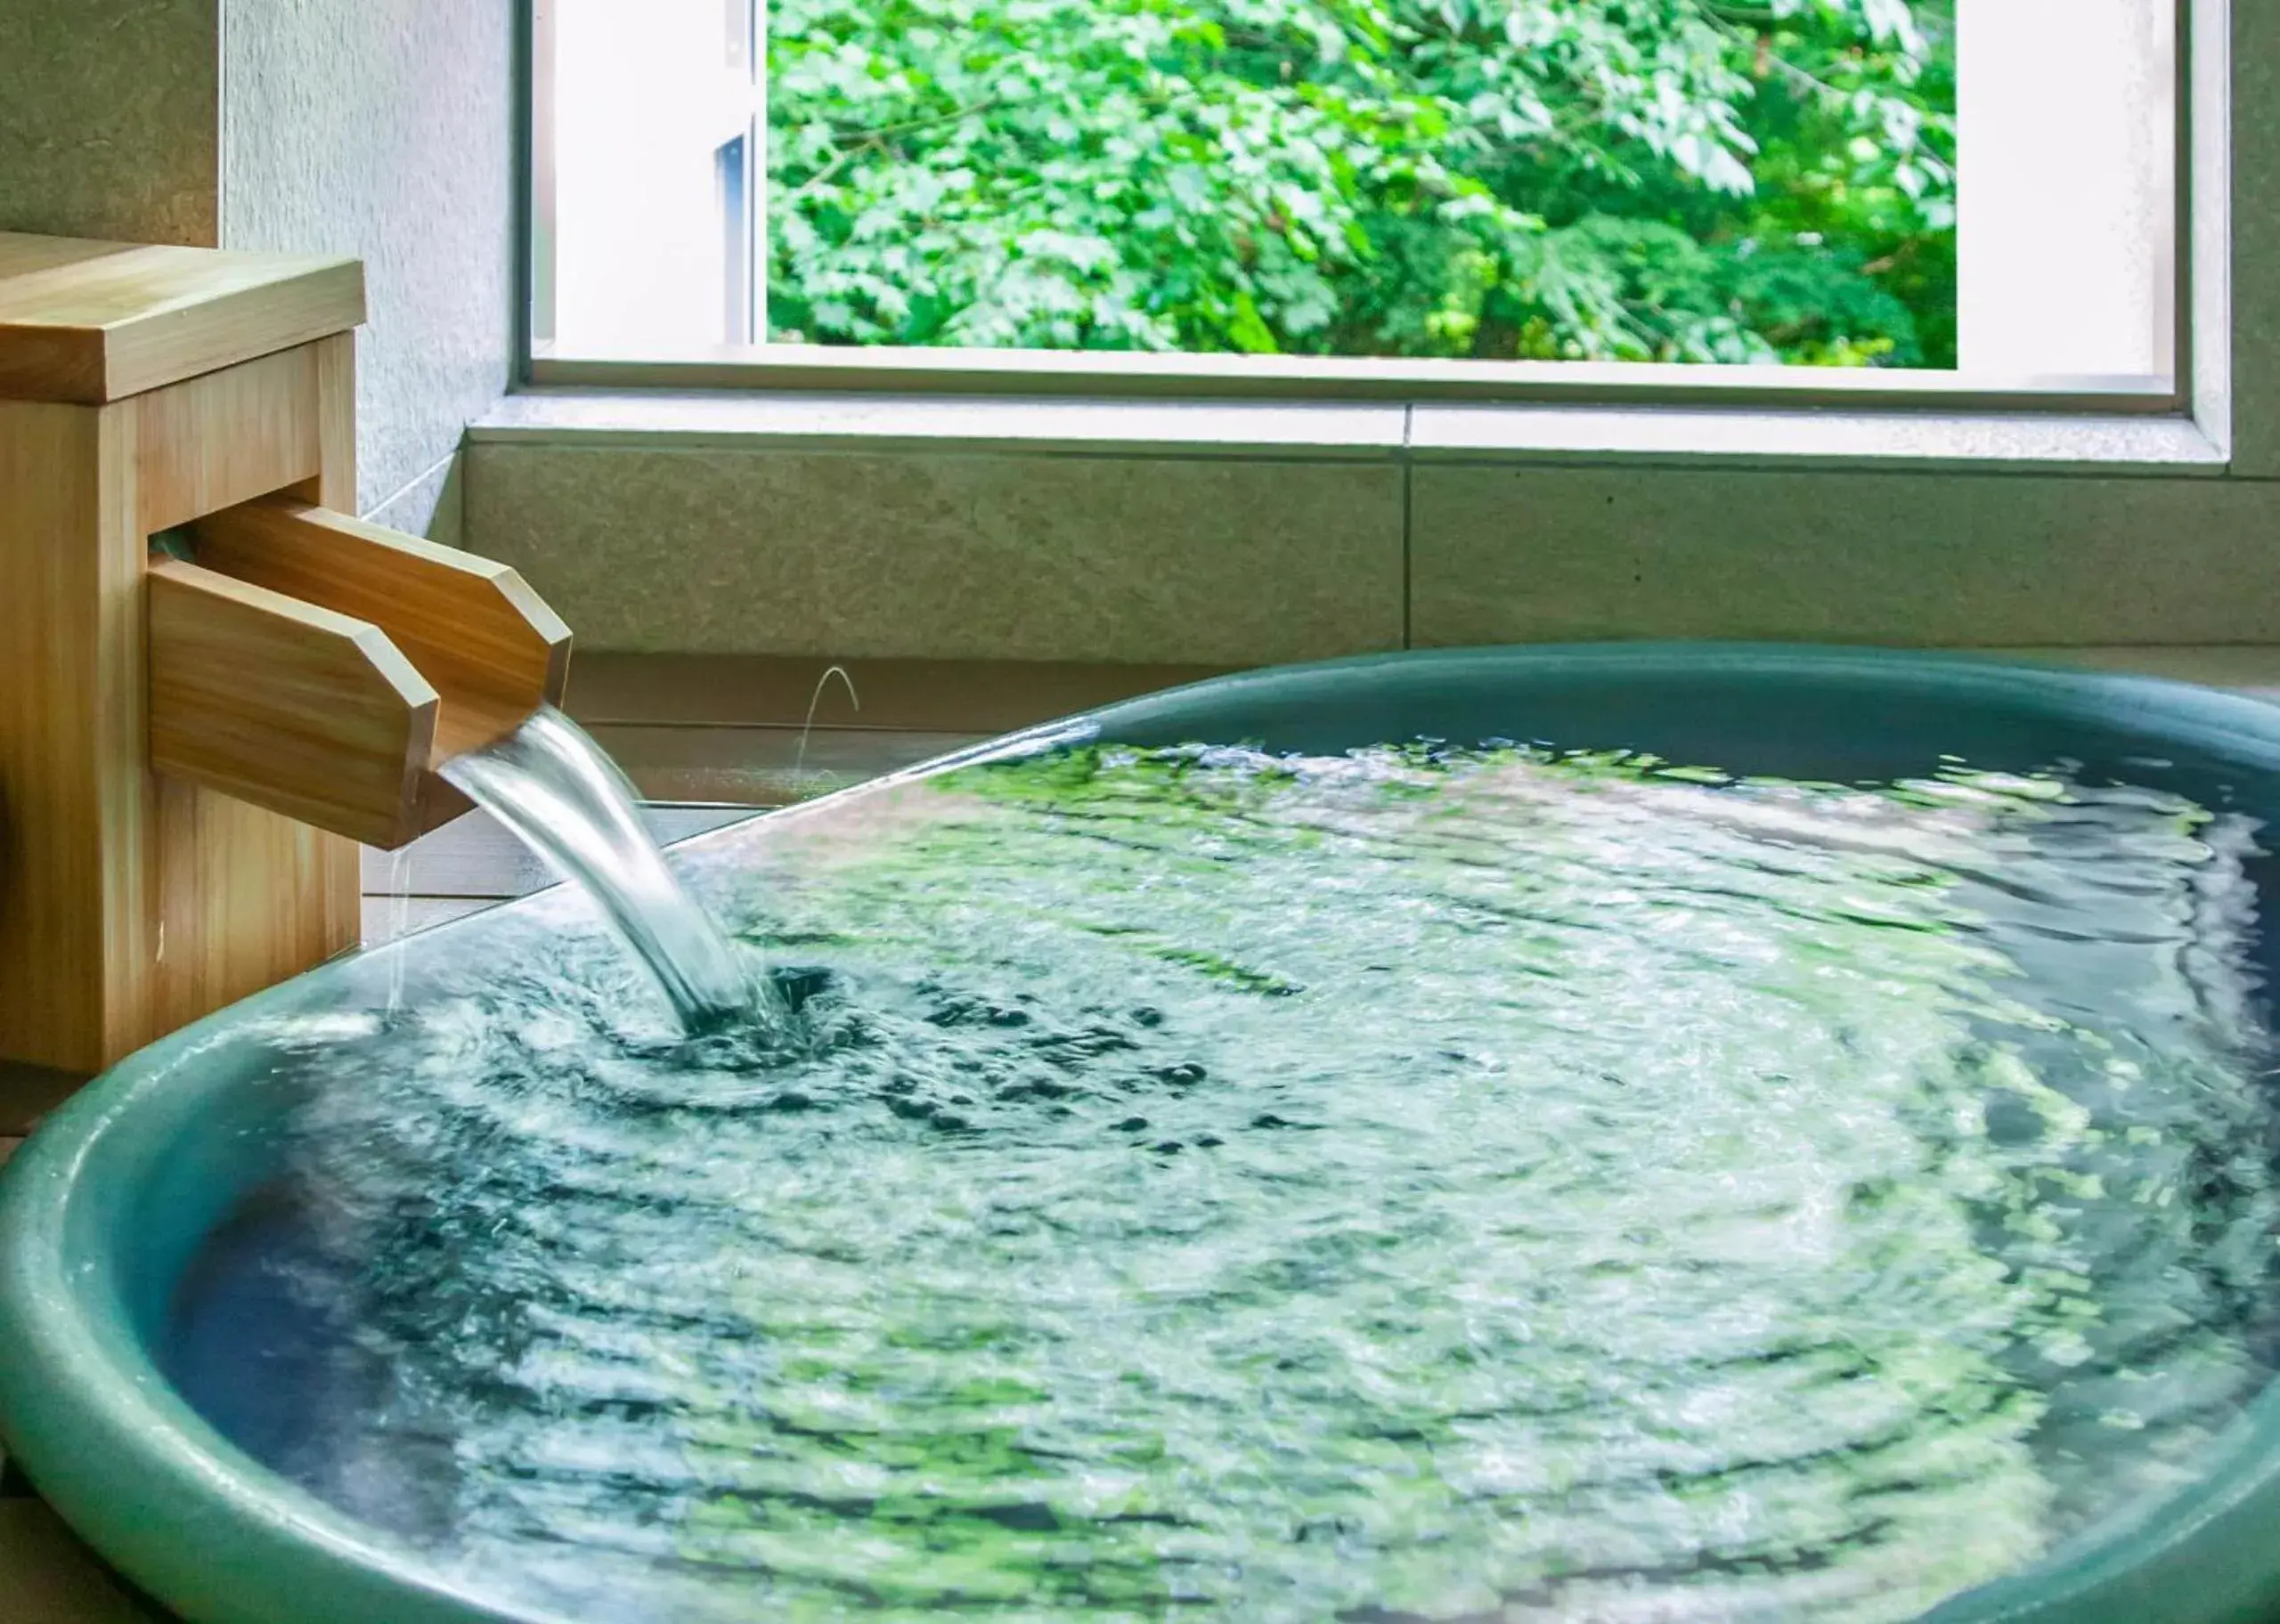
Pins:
x: 1467, y: 409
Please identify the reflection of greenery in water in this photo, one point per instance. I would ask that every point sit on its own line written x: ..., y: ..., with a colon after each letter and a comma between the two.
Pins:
x: 1433, y: 1184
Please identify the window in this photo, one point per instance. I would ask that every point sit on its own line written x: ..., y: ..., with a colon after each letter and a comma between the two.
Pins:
x: 1967, y: 196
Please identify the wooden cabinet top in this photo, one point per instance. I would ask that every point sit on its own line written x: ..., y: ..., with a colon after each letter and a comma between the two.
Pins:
x: 88, y: 322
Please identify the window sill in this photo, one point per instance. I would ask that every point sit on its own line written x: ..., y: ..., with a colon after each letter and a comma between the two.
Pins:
x: 844, y: 421
x: 1811, y: 437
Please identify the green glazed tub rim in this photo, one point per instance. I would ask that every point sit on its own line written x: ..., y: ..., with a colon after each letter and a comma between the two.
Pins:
x: 222, y: 1539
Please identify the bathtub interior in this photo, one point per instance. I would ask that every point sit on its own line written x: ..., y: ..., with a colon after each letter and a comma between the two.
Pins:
x: 109, y: 1212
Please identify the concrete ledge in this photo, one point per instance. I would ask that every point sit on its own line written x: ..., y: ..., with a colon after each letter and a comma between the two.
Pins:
x: 684, y: 420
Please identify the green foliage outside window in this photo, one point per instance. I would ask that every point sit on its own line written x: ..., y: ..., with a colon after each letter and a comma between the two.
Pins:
x: 1631, y: 180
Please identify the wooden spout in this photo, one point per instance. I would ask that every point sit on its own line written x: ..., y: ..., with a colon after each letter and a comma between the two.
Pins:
x: 490, y: 645
x: 292, y: 707
x: 327, y: 668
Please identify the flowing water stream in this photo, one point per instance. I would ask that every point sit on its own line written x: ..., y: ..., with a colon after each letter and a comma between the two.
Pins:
x: 1420, y: 1184
x: 559, y: 793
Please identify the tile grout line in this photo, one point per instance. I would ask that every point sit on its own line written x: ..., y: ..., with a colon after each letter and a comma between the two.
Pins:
x: 1408, y: 526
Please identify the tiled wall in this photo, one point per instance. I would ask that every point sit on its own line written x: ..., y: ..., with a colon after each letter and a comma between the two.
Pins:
x: 2250, y: 294
x: 1566, y: 553
x: 949, y: 555
x: 970, y: 555
x: 107, y: 119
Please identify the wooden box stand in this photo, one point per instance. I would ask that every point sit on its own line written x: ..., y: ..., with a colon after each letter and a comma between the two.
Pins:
x: 191, y: 748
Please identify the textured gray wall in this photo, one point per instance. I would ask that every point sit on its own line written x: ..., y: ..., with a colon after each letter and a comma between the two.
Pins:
x: 384, y: 129
x: 107, y: 118
x: 953, y: 556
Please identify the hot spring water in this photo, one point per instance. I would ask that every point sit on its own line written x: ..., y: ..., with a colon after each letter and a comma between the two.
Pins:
x: 1419, y: 1184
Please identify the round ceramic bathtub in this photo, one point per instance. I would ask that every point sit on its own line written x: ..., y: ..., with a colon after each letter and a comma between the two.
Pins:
x: 103, y: 1211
